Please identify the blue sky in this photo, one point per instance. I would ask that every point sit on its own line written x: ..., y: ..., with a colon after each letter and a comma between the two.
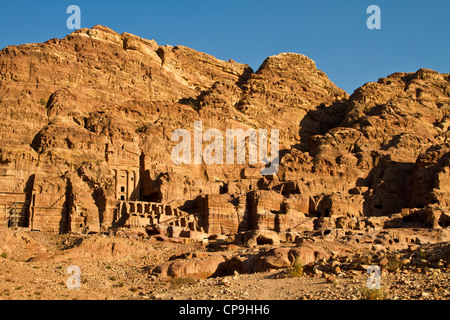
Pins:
x: 414, y: 33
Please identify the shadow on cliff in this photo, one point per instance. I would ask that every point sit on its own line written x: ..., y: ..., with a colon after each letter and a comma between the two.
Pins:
x: 244, y: 77
x: 389, y: 188
x: 196, y: 103
x: 319, y: 121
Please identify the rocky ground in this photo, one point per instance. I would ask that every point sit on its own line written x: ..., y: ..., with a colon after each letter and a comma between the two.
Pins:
x: 33, y: 266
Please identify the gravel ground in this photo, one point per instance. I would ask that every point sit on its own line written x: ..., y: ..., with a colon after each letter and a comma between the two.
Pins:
x: 38, y: 271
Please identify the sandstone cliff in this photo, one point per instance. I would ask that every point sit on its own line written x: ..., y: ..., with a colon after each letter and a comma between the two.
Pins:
x: 87, y: 122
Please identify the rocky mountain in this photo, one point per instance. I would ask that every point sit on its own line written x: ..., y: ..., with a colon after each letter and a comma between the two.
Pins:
x: 86, y: 141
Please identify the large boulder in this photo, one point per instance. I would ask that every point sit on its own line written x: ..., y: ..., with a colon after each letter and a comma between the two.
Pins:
x: 201, y: 268
x: 261, y: 237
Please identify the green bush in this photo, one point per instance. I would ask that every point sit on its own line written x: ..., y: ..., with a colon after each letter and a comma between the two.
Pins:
x: 297, y: 269
x: 373, y: 294
x: 179, y: 282
x: 394, y: 265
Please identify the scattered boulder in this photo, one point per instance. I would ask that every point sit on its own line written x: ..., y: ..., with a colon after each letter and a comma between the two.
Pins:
x: 277, y: 258
x: 261, y: 237
x: 201, y: 268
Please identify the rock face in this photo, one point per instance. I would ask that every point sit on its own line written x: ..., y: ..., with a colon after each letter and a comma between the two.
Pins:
x: 87, y: 122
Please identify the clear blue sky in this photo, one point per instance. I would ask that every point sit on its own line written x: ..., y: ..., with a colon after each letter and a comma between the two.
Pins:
x: 414, y: 34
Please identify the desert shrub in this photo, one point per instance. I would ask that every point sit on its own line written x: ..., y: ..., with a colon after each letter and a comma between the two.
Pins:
x: 179, y: 282
x: 373, y: 294
x: 393, y: 265
x: 297, y: 269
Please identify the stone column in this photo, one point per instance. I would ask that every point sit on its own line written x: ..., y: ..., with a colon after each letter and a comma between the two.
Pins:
x: 135, y: 186
x: 116, y: 184
x: 128, y: 186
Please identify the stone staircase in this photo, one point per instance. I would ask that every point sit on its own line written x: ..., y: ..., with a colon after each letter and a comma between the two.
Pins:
x: 18, y: 214
x: 56, y: 201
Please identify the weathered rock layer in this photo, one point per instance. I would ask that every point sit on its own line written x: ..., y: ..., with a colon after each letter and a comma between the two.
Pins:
x: 87, y: 122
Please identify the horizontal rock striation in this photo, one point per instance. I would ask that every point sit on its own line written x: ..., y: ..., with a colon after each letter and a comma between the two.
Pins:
x: 87, y: 123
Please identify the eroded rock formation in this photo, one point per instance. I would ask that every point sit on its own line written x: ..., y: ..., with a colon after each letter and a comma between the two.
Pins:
x: 86, y: 126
